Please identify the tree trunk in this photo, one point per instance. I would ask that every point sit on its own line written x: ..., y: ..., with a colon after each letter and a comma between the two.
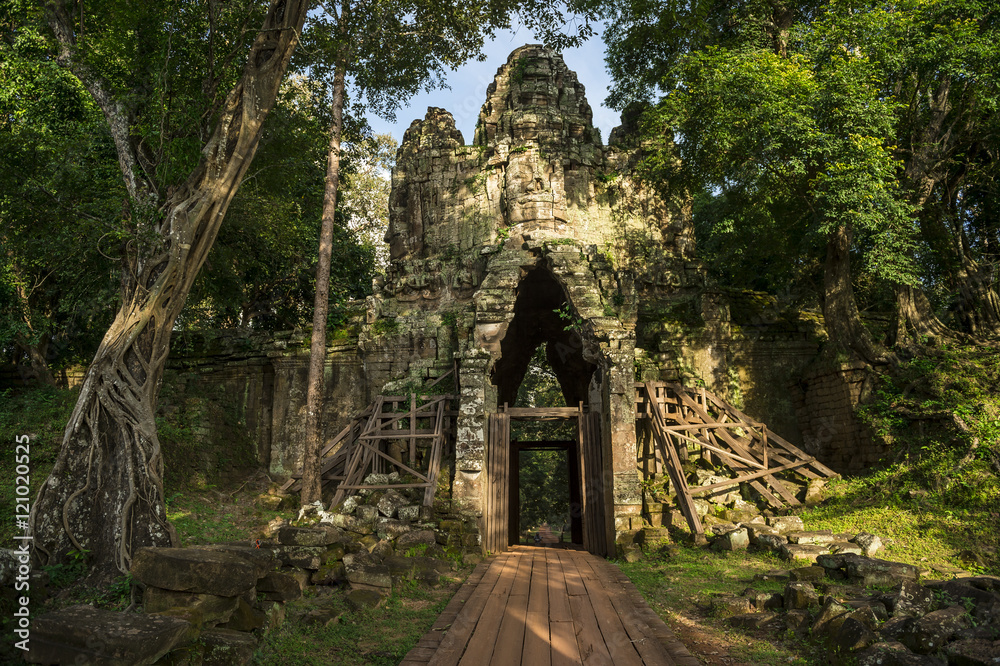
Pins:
x: 978, y: 304
x: 840, y: 310
x: 105, y: 492
x: 311, y: 481
x: 915, y: 318
x: 37, y: 368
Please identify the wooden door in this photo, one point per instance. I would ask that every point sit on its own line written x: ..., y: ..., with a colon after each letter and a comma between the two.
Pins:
x: 596, y: 485
x: 497, y: 491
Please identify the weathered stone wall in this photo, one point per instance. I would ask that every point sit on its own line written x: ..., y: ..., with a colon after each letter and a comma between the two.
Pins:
x: 250, y: 391
x: 831, y: 430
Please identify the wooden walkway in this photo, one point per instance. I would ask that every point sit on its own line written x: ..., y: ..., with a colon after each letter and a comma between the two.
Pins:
x: 548, y: 606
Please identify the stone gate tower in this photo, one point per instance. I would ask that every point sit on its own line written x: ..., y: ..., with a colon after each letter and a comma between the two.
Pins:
x: 488, y: 241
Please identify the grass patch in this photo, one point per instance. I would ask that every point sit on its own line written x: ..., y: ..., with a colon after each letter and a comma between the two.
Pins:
x: 680, y: 588
x: 379, y: 636
x: 42, y: 414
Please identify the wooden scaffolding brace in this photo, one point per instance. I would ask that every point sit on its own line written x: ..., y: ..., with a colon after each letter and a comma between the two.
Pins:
x: 683, y: 419
x: 359, y: 449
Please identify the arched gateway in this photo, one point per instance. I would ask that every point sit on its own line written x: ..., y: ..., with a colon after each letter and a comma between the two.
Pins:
x: 532, y: 236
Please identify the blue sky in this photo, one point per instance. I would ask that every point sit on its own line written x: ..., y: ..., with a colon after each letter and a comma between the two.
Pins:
x: 469, y: 83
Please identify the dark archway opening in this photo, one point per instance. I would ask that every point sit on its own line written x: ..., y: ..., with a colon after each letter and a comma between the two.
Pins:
x: 542, y: 317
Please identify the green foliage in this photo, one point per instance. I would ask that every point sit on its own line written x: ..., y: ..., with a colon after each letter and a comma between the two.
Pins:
x: 385, y: 326
x: 574, y: 322
x: 544, y: 490
x: 41, y: 413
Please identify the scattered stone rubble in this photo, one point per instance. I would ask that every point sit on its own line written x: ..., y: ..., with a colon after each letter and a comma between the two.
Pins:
x: 211, y: 604
x: 873, y: 611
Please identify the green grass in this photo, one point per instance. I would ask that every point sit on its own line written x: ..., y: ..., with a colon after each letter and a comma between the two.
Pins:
x: 680, y: 589
x: 380, y: 636
x: 41, y: 414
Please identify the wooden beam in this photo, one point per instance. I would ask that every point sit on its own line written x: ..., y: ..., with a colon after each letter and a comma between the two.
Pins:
x: 701, y: 490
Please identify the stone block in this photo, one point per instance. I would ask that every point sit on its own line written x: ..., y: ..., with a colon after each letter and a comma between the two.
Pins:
x: 796, y: 552
x: 390, y: 528
x: 754, y: 621
x: 305, y: 536
x: 359, y: 599
x: 381, y: 550
x: 246, y: 617
x: 210, y: 609
x: 854, y: 635
x: 329, y: 574
x: 225, y: 647
x: 973, y: 652
x: 815, y: 538
x: 371, y: 575
x: 410, y: 513
x: 84, y: 634
x: 729, y: 606
x: 194, y: 570
x: 304, y: 557
x: 869, y: 543
x: 894, y: 654
x: 830, y: 617
x: 932, y: 631
x: 736, y: 539
x: 278, y: 586
x: 390, y: 503
x: 800, y: 596
x: 261, y: 559
x: 786, y: 523
x: 810, y: 574
x: 909, y: 599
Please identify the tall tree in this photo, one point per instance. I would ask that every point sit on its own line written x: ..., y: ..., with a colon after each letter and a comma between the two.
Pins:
x: 105, y: 493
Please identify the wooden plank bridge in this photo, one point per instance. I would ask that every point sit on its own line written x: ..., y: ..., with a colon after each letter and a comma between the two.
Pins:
x: 548, y: 607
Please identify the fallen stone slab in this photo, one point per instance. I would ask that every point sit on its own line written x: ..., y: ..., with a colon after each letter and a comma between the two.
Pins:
x: 813, y: 573
x: 415, y: 538
x: 932, y: 631
x: 909, y: 599
x: 845, y: 547
x: 225, y: 647
x: 84, y: 634
x: 830, y: 618
x: 729, y: 606
x: 755, y: 621
x: 363, y: 598
x: 786, y: 523
x: 733, y: 540
x: 261, y: 559
x: 304, y: 557
x: 306, y: 536
x: 390, y: 503
x: 426, y: 569
x: 854, y: 635
x: 800, y: 596
x: 815, y: 537
x: 371, y: 575
x: 894, y: 654
x: 277, y: 586
x: 206, y: 609
x: 805, y: 553
x: 973, y: 652
x: 246, y: 617
x: 194, y: 570
x: 869, y: 543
